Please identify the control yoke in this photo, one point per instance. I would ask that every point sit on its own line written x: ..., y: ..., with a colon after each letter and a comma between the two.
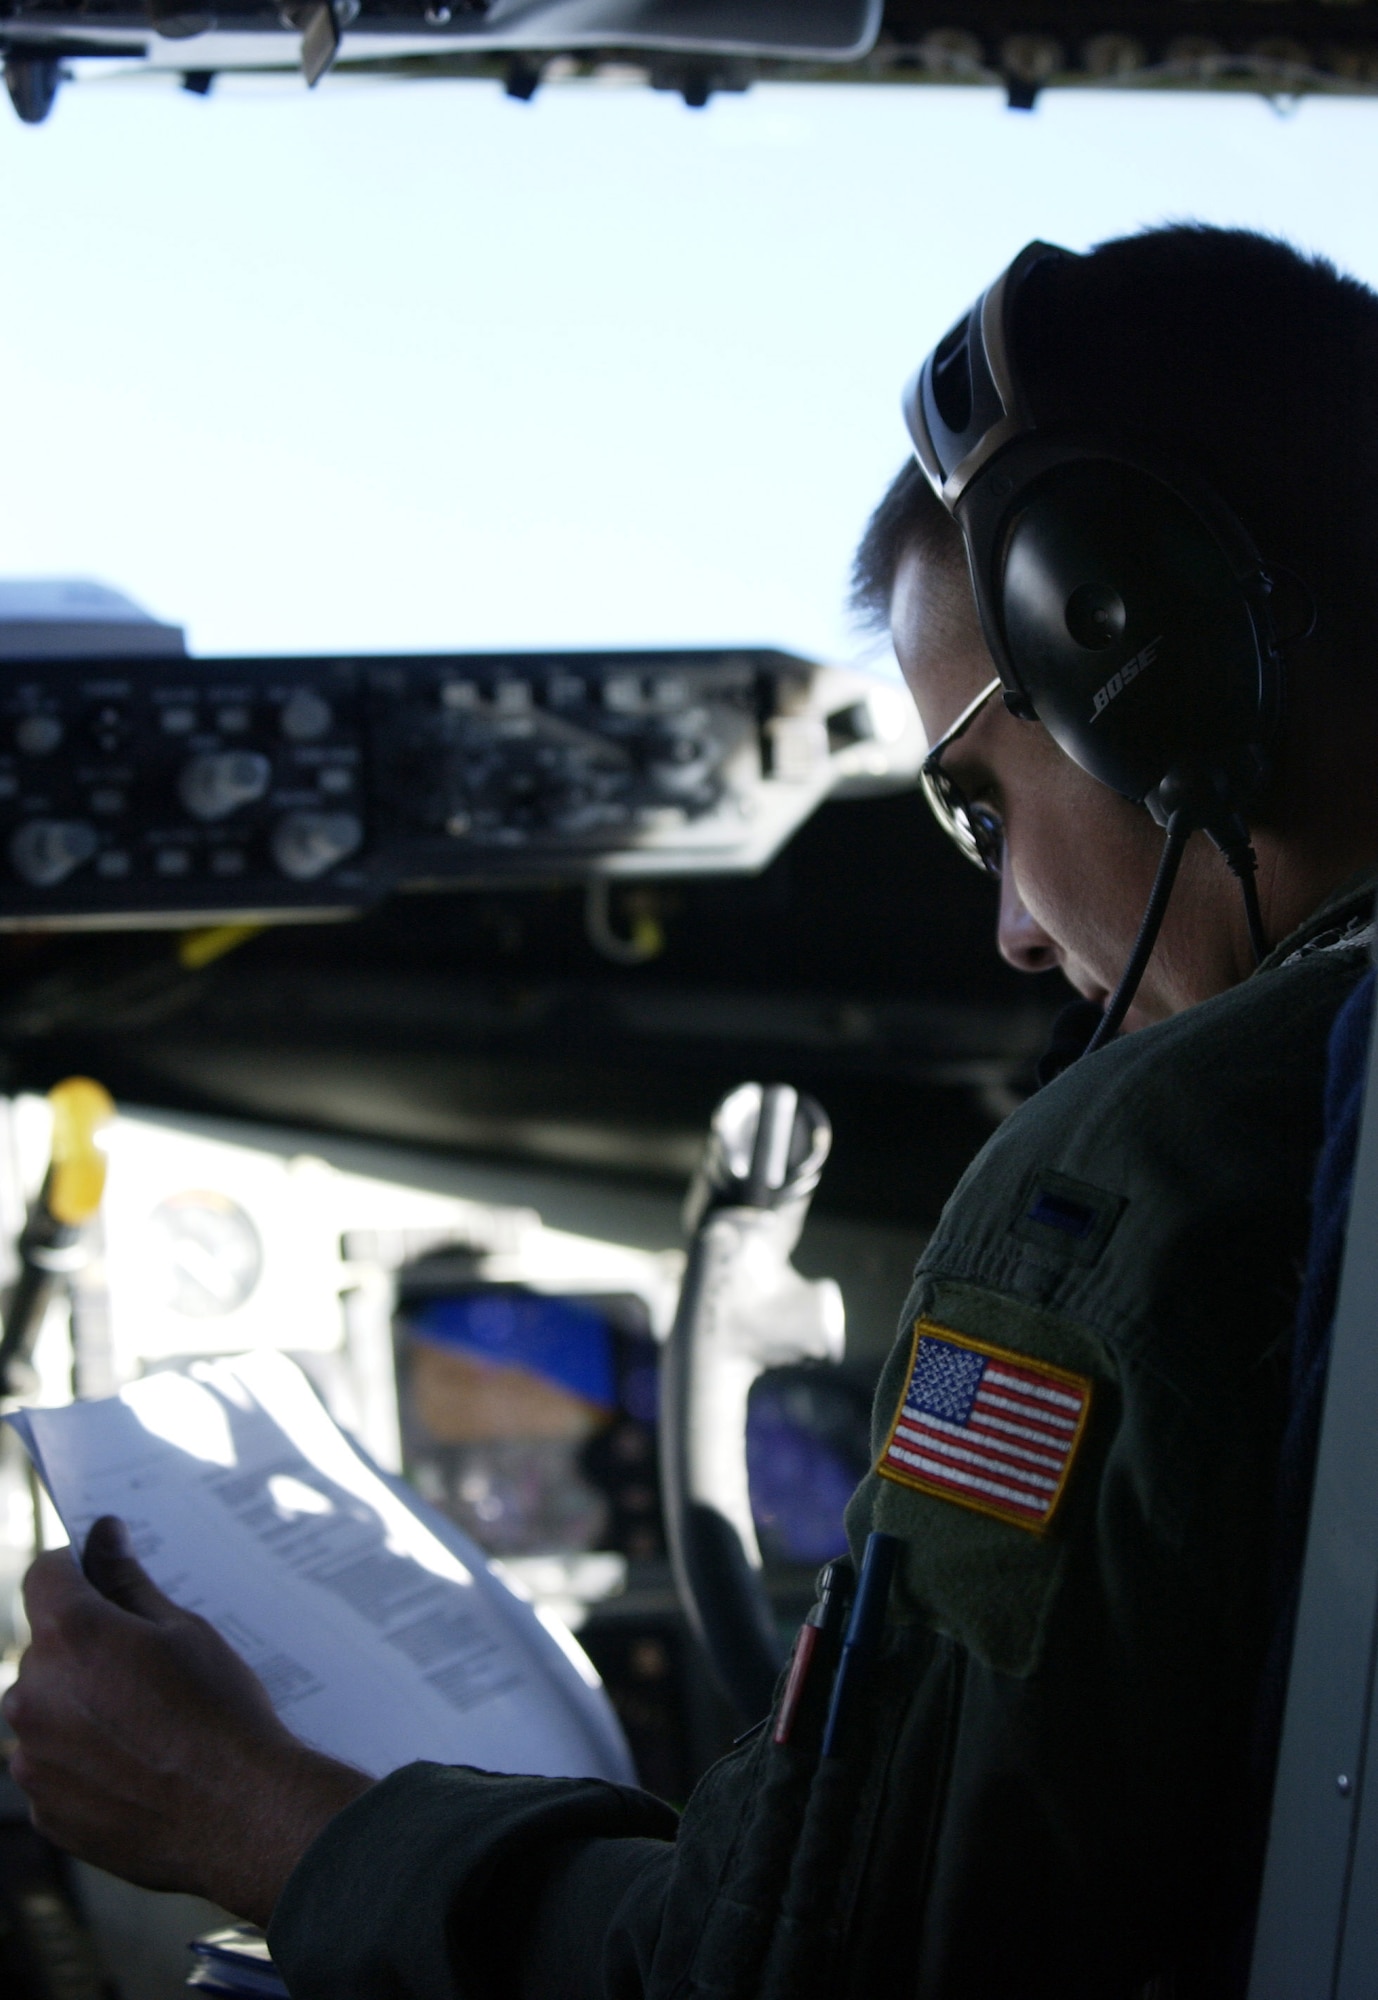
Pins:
x: 50, y: 1246
x: 743, y: 1308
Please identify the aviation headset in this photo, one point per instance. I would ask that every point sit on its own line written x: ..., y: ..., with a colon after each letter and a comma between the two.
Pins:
x: 1123, y: 603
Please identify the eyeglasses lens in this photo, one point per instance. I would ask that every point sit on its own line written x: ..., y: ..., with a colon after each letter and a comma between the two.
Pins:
x: 977, y: 830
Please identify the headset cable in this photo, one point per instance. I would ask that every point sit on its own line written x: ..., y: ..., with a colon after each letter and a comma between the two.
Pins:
x: 1179, y: 828
x: 1243, y: 865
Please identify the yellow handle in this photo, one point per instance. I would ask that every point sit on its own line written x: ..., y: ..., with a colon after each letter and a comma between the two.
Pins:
x: 76, y: 1179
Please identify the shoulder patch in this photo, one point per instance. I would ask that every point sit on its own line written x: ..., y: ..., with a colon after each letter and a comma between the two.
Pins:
x: 987, y: 1428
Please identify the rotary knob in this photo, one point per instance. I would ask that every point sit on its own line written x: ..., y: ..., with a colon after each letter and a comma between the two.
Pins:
x: 213, y: 786
x: 682, y: 764
x: 38, y: 735
x: 306, y: 716
x: 306, y: 844
x: 45, y: 852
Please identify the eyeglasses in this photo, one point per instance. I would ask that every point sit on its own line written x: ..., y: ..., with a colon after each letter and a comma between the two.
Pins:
x: 978, y: 830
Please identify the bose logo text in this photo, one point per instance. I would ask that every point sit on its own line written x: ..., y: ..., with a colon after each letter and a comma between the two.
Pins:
x: 1119, y: 681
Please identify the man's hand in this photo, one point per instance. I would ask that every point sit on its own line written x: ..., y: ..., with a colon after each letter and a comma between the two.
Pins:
x: 147, y: 1746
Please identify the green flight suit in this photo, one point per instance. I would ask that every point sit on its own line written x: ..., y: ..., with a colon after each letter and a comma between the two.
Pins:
x: 1048, y: 1791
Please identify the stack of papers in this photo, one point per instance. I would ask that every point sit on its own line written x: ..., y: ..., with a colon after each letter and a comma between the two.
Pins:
x: 377, y: 1627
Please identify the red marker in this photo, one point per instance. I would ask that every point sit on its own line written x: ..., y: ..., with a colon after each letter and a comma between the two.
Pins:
x: 822, y: 1627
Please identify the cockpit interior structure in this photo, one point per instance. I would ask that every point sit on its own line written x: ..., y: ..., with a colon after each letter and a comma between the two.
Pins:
x: 468, y: 1118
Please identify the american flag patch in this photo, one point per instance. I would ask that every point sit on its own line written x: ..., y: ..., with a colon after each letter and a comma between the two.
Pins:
x: 989, y: 1429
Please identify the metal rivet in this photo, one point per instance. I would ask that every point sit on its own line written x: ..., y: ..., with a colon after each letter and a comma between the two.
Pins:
x: 1343, y: 1785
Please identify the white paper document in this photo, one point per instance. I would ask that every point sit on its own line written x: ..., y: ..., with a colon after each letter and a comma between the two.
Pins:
x: 375, y: 1625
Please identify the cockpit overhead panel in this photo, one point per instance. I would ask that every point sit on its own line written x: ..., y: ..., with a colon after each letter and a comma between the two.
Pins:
x: 174, y: 791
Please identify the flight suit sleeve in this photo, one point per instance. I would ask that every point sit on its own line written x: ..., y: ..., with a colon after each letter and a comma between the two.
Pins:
x: 1076, y: 1448
x: 441, y: 1882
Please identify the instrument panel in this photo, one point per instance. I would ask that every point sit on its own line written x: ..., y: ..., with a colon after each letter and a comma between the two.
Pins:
x: 173, y: 789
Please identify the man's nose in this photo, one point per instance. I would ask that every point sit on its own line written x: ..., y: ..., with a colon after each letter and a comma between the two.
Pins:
x: 1023, y: 943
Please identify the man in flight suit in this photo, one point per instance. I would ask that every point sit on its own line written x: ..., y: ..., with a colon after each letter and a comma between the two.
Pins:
x: 1051, y: 1787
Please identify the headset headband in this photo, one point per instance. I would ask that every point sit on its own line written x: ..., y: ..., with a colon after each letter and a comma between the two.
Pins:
x: 964, y: 404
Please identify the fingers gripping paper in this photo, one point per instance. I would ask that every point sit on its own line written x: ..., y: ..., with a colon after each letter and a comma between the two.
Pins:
x: 376, y: 1627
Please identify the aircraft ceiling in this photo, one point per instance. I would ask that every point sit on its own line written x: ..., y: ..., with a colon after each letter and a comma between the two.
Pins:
x: 697, y: 48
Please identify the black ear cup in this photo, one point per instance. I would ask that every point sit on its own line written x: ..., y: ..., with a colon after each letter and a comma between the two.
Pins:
x: 1125, y: 606
x: 1137, y: 633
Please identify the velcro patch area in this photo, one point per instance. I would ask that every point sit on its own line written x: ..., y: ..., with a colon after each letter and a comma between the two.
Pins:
x: 985, y: 1427
x: 1069, y: 1219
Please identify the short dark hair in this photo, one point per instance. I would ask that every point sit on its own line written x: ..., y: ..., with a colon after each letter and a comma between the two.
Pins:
x: 910, y: 512
x: 1248, y: 364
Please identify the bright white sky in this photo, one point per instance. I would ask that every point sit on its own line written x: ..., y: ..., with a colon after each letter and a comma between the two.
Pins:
x: 409, y: 366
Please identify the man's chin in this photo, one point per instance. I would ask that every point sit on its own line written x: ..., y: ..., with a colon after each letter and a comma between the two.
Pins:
x: 1092, y: 990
